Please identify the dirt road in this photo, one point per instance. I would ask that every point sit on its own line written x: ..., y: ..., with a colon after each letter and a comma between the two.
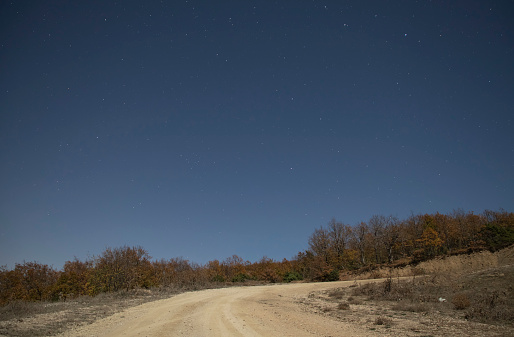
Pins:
x: 240, y: 311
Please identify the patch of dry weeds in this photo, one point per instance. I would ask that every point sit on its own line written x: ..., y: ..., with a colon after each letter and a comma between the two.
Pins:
x: 440, y: 304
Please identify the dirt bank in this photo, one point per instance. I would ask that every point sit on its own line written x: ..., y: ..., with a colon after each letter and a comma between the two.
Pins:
x: 454, y: 265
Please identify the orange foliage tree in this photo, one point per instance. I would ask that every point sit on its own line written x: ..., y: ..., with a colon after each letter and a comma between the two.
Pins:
x: 30, y: 281
x: 430, y: 243
x: 121, y: 268
x: 73, y: 281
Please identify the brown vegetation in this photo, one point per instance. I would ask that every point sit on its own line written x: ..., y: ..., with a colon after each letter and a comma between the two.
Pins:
x: 333, y: 250
x: 393, y: 242
x: 130, y: 268
x: 423, y: 305
x: 485, y: 295
x: 464, y: 295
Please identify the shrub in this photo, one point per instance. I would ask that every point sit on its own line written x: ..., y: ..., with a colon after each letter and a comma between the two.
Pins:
x: 387, y: 285
x: 381, y: 320
x: 461, y: 301
x: 292, y: 276
x: 338, y: 294
x: 343, y: 306
x: 218, y: 278
x: 353, y: 300
x: 497, y: 236
x: 412, y: 307
x: 333, y: 276
x: 241, y: 277
x: 30, y: 281
x: 121, y: 268
x: 327, y: 309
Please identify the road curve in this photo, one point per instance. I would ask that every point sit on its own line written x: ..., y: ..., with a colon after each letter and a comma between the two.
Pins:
x: 271, y: 310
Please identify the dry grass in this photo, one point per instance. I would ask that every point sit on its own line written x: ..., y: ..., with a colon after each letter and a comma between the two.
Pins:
x: 381, y: 320
x: 492, y: 307
x: 120, y: 299
x: 354, y: 300
x: 422, y: 290
x: 454, y: 299
x: 456, y: 264
x: 486, y: 297
x: 412, y: 307
x: 338, y: 294
x: 343, y: 306
x: 327, y: 309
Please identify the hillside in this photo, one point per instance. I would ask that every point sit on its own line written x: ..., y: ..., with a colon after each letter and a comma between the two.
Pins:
x: 386, y: 307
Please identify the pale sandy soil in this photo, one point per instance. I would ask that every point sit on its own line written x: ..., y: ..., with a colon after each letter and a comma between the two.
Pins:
x: 243, y: 311
x: 275, y: 310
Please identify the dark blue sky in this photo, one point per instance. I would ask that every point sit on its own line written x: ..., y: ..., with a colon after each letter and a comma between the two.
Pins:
x: 202, y: 130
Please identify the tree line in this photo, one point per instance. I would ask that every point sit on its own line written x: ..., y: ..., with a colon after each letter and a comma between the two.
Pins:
x: 389, y: 240
x: 334, y: 248
x: 127, y: 268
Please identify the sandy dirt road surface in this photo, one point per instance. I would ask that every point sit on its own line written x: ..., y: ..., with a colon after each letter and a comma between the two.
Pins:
x: 272, y: 310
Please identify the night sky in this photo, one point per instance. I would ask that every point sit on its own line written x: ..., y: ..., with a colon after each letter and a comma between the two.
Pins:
x: 204, y: 129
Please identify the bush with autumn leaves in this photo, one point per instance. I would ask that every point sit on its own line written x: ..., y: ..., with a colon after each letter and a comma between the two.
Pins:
x: 128, y: 268
x: 332, y: 249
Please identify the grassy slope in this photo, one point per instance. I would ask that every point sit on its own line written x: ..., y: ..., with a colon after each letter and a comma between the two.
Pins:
x: 478, y: 287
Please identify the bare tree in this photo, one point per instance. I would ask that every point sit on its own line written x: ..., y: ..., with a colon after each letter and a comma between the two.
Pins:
x: 377, y: 225
x: 360, y: 238
x: 391, y: 238
x: 319, y: 243
x: 339, y: 235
